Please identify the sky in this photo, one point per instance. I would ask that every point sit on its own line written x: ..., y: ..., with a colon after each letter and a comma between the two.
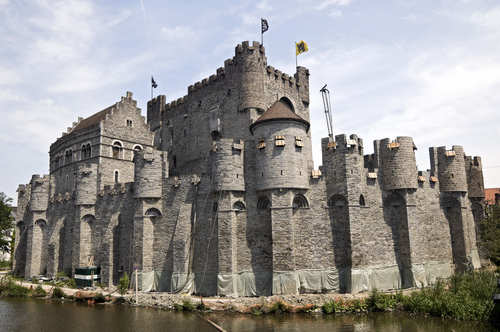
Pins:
x: 429, y: 69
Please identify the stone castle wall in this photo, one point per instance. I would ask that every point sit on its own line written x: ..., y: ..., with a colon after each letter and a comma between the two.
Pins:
x: 202, y: 206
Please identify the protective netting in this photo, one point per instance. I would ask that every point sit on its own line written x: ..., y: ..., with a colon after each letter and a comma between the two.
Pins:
x: 249, y: 283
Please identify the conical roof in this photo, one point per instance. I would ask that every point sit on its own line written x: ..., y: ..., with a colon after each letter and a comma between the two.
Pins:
x: 279, y: 111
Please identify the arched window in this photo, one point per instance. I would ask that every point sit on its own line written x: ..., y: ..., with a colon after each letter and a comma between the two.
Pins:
x: 84, y: 152
x: 88, y: 218
x: 300, y: 201
x: 89, y: 151
x: 41, y: 222
x: 338, y: 201
x: 239, y: 206
x: 117, y: 176
x: 264, y: 203
x: 361, y: 200
x: 394, y: 200
x: 153, y: 213
x: 69, y: 156
x: 137, y: 148
x: 56, y: 163
x: 117, y: 147
x: 288, y: 103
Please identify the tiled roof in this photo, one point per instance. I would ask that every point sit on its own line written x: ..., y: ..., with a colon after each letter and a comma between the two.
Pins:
x: 489, y: 195
x: 279, y: 111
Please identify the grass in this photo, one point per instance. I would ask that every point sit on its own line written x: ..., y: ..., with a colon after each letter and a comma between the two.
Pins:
x: 463, y: 296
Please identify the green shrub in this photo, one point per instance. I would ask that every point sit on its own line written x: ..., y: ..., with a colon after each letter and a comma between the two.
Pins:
x: 71, y: 283
x: 329, y: 307
x: 186, y: 305
x: 57, y: 293
x: 9, y: 288
x: 39, y: 292
x: 279, y: 307
x: 99, y: 298
x: 490, y: 233
x: 201, y: 306
x: 380, y: 301
x: 123, y: 284
x: 177, y: 306
x: 468, y: 297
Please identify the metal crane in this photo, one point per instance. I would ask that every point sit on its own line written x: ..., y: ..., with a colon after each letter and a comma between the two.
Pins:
x: 326, y: 104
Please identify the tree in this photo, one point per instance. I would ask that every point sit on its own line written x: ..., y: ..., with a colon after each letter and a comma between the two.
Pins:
x: 6, y: 225
x: 490, y: 234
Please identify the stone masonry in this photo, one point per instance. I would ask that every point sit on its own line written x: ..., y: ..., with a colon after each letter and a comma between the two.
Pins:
x: 215, y: 194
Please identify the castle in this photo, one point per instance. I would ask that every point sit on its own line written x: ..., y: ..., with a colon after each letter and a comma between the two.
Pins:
x: 216, y: 193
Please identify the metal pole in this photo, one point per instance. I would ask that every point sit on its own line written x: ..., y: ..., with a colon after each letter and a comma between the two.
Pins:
x: 296, y: 65
x: 136, y: 288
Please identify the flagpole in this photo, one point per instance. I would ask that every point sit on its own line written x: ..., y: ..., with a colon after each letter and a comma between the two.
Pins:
x: 151, y: 88
x: 261, y: 33
x: 296, y: 65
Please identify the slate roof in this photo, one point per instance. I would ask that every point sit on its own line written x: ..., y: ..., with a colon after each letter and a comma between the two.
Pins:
x: 93, y: 119
x: 279, y: 111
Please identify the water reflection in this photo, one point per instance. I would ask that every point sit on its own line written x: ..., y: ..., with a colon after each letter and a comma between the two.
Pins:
x: 54, y: 316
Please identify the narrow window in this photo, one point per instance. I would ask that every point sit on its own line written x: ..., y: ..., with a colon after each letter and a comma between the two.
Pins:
x: 84, y: 152
x: 66, y: 185
x: 116, y: 176
x: 174, y: 161
x: 116, y: 150
x: 129, y: 123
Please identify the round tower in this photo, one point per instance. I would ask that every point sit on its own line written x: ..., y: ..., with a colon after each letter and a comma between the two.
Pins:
x: 281, y: 159
x: 252, y: 61
x: 86, y: 184
x: 451, y: 169
x: 398, y: 163
x: 39, y: 193
x: 227, y: 165
x: 148, y: 170
x: 475, y: 180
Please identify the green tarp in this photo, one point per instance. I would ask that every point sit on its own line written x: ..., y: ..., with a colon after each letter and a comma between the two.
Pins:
x: 249, y: 283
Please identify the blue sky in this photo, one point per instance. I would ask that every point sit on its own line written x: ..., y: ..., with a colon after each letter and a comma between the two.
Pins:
x: 429, y: 69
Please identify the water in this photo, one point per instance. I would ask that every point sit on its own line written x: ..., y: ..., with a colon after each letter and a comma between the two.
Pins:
x: 17, y: 314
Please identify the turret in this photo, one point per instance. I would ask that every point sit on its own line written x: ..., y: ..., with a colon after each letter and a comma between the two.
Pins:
x: 450, y: 168
x: 252, y: 61
x: 398, y: 163
x: 86, y: 184
x: 39, y: 193
x: 475, y: 180
x: 227, y: 165
x: 281, y: 159
x: 148, y: 173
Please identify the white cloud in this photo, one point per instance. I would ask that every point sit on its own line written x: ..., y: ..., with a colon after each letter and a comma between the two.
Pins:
x: 328, y: 3
x: 489, y: 19
x: 335, y: 14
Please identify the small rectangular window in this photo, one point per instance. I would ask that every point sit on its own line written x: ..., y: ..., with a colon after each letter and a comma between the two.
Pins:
x: 129, y: 123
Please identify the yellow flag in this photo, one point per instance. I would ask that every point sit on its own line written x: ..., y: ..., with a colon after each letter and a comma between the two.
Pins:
x: 301, y: 47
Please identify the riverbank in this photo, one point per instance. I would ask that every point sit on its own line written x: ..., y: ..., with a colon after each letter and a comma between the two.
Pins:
x: 463, y: 296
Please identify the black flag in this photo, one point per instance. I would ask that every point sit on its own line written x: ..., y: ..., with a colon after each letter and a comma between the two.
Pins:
x: 153, y: 83
x: 265, y: 26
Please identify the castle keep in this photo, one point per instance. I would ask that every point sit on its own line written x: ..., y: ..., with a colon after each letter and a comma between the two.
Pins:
x: 216, y: 193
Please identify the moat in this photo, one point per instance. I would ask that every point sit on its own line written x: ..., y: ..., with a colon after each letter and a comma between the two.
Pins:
x: 20, y: 314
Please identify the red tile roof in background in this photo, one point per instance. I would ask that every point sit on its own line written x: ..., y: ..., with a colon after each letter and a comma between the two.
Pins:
x: 489, y: 195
